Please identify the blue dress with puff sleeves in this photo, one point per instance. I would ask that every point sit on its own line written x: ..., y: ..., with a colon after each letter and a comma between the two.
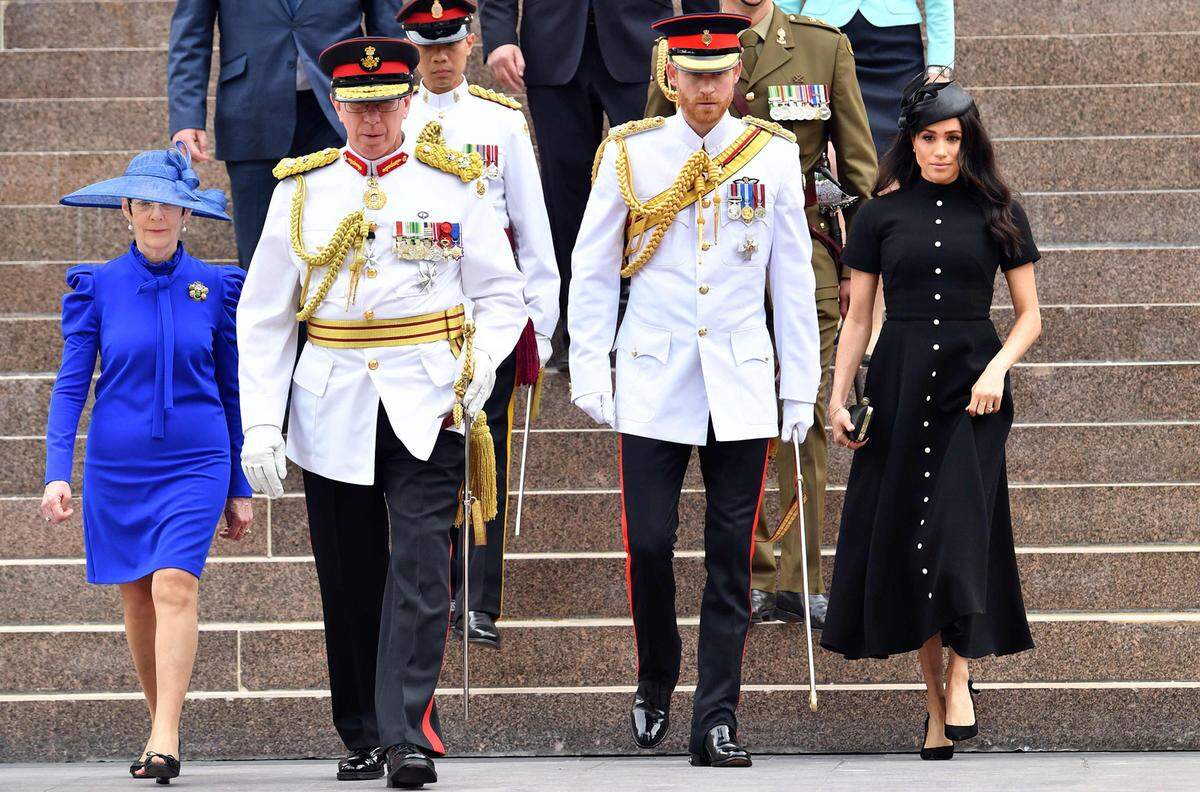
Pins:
x: 165, y: 435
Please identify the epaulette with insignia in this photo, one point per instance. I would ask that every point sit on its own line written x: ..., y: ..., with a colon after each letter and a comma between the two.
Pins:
x: 432, y: 150
x: 770, y: 126
x: 635, y: 126
x: 798, y: 19
x: 493, y: 96
x: 290, y: 166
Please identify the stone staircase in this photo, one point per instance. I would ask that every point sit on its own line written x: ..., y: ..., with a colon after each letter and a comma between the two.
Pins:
x: 1096, y: 106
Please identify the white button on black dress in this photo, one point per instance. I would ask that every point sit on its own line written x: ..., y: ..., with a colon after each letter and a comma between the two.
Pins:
x: 925, y: 522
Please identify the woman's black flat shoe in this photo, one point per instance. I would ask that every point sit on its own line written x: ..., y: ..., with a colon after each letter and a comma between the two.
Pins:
x: 940, y: 753
x: 163, y: 771
x: 960, y: 733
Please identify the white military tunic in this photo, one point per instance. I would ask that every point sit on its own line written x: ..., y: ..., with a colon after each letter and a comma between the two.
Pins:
x: 514, y: 188
x: 694, y: 340
x: 332, y: 422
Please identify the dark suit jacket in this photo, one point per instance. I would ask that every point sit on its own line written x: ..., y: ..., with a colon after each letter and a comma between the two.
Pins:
x: 261, y: 47
x: 551, y: 34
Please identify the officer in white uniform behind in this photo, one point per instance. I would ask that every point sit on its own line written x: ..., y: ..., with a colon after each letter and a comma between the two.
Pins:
x: 701, y: 210
x: 378, y: 254
x: 471, y: 118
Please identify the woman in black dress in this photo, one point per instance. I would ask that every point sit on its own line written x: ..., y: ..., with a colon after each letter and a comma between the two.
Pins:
x: 925, y: 556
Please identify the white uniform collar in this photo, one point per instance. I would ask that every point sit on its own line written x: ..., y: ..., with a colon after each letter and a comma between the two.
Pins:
x: 443, y: 101
x: 717, y: 138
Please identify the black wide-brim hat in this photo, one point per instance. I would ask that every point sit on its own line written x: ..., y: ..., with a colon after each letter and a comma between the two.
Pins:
x: 370, y: 68
x: 703, y: 43
x: 430, y: 22
x: 923, y: 103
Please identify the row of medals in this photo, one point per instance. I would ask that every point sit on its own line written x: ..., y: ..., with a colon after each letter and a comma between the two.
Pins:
x: 795, y: 111
x: 745, y: 213
x: 411, y: 247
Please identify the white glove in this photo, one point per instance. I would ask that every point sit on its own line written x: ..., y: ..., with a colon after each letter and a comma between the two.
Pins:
x: 599, y: 407
x: 797, y: 420
x: 482, y: 380
x: 545, y: 349
x: 263, y: 459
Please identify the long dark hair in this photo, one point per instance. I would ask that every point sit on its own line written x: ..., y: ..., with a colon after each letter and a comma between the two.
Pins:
x: 977, y: 167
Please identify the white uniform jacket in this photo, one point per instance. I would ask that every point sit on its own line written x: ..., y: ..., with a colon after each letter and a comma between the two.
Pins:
x: 336, y: 393
x: 513, y: 187
x: 693, y: 342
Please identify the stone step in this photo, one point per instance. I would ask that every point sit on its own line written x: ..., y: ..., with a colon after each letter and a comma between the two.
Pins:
x: 589, y: 522
x: 540, y: 586
x: 593, y: 654
x: 1056, y: 111
x: 1031, y: 165
x: 1074, y: 276
x: 111, y: 23
x: 1056, y: 17
x: 85, y: 73
x: 1037, y: 453
x: 548, y: 721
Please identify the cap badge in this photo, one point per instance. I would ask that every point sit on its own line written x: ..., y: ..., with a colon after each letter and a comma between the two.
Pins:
x: 368, y: 61
x: 706, y: 37
x: 436, y: 9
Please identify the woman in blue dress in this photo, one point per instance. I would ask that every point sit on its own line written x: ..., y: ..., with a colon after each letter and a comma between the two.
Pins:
x: 160, y: 464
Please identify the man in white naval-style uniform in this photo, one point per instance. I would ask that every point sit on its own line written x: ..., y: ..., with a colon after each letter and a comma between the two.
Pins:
x: 378, y: 253
x: 702, y: 211
x: 472, y: 118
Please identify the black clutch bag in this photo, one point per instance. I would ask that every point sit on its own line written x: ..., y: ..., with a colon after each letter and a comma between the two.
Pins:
x: 861, y: 413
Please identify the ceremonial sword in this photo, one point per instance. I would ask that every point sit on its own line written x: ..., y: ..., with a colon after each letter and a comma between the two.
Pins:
x: 812, y: 676
x: 465, y: 550
x: 524, y: 451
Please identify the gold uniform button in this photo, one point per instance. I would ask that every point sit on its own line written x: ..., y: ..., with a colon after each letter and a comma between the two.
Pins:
x: 368, y: 315
x: 705, y: 246
x: 372, y: 272
x: 704, y: 288
x: 374, y: 364
x: 749, y: 96
x: 703, y: 331
x: 707, y: 203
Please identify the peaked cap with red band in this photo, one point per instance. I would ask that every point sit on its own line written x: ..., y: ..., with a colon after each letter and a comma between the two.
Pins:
x: 370, y: 68
x: 703, y: 43
x: 429, y: 22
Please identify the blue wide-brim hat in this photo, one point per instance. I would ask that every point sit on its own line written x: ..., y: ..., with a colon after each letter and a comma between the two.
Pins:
x: 160, y: 176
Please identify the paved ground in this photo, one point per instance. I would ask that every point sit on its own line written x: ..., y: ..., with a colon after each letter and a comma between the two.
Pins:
x: 1123, y: 772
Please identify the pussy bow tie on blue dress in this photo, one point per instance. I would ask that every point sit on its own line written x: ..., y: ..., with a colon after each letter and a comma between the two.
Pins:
x: 164, y: 357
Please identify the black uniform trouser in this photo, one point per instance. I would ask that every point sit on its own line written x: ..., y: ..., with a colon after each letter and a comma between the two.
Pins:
x: 569, y: 122
x: 251, y: 182
x: 651, y: 479
x: 386, y: 610
x: 487, y: 561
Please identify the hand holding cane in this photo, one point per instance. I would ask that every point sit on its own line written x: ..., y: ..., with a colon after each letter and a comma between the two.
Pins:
x: 812, y: 676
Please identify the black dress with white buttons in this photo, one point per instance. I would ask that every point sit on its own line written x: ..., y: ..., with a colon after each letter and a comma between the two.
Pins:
x: 926, y: 541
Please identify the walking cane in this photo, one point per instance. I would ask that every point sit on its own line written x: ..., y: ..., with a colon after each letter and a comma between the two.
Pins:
x: 465, y: 550
x: 812, y: 674
x: 524, y: 452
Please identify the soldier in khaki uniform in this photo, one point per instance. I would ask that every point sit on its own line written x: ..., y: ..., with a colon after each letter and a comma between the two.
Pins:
x: 800, y: 71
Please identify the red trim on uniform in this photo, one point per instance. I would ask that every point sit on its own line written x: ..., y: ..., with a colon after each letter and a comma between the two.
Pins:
x: 716, y: 41
x: 447, y: 318
x: 729, y: 158
x: 356, y: 162
x: 762, y: 488
x: 390, y: 164
x: 435, y: 742
x: 637, y: 655
x: 355, y: 69
x: 424, y: 17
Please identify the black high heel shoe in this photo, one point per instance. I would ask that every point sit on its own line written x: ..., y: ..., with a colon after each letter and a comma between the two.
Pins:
x: 161, y: 772
x: 940, y: 753
x: 134, y: 767
x: 959, y: 733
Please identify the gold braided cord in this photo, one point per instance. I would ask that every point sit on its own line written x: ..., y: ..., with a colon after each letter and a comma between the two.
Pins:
x: 433, y: 151
x: 660, y: 72
x: 624, y: 131
x: 352, y: 93
x: 493, y: 96
x: 351, y: 233
x: 291, y: 166
x: 699, y: 172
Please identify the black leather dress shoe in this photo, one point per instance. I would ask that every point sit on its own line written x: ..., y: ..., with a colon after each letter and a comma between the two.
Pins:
x: 409, y: 767
x: 789, y: 607
x: 650, y: 723
x: 362, y: 765
x: 482, y: 627
x: 721, y: 750
x: 762, y: 606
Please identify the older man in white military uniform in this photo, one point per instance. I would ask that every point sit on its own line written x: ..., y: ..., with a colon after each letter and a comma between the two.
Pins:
x: 378, y: 254
x: 471, y: 118
x: 701, y: 210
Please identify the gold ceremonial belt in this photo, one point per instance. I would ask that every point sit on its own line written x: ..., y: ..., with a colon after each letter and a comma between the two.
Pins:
x: 363, y: 333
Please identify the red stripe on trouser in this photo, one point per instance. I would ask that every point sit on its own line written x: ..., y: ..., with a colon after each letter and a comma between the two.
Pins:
x: 628, y: 558
x: 753, y: 526
x: 427, y: 729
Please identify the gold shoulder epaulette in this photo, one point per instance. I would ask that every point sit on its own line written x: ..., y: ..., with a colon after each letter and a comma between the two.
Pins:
x: 290, y: 166
x: 799, y: 19
x: 433, y: 151
x: 635, y: 126
x: 494, y: 96
x: 770, y: 126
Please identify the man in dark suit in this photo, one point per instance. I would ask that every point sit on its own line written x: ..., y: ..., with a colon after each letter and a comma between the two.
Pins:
x: 272, y: 100
x: 578, y: 61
